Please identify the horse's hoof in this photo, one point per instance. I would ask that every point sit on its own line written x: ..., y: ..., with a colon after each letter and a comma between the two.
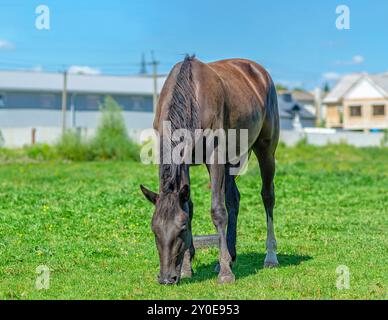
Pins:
x: 271, y: 265
x: 227, y: 278
x: 186, y: 274
x: 271, y: 261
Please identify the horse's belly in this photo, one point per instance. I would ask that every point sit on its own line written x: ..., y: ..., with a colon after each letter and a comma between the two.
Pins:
x: 250, y: 120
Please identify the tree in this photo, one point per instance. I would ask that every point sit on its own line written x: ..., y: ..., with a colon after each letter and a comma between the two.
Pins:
x: 326, y: 87
x: 281, y: 87
x: 2, y: 141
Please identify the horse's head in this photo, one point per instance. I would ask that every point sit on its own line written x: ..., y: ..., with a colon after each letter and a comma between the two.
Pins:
x: 172, y: 228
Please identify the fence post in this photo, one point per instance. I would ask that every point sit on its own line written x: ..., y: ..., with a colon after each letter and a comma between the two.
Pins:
x: 33, y: 136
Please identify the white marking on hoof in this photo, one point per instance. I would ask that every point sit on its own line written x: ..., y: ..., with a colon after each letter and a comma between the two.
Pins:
x: 271, y: 260
x: 186, y: 274
x: 227, y: 278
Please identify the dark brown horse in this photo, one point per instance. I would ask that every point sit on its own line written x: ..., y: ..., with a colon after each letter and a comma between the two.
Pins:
x: 227, y: 94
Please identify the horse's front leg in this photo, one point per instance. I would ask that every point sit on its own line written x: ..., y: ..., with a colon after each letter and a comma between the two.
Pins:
x: 220, y: 219
x: 187, y: 269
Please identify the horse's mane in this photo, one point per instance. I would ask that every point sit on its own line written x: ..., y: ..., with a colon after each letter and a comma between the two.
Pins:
x: 182, y: 114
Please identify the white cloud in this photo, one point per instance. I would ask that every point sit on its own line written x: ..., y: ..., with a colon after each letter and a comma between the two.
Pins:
x: 331, y: 76
x: 332, y: 43
x: 6, y: 45
x: 84, y: 70
x: 357, y: 59
x: 37, y: 68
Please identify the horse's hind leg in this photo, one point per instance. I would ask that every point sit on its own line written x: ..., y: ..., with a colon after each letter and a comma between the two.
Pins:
x: 265, y: 153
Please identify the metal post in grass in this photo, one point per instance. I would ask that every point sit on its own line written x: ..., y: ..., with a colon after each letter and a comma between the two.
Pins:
x: 33, y: 136
x: 64, y: 102
x: 206, y: 241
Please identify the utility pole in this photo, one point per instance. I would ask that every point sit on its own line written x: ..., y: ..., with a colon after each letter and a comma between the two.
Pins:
x: 154, y: 64
x: 72, y: 110
x: 143, y: 65
x: 318, y: 106
x: 64, y: 101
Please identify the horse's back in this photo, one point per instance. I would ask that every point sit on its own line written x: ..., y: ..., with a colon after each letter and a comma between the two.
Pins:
x: 247, y: 91
x: 232, y: 94
x: 244, y: 75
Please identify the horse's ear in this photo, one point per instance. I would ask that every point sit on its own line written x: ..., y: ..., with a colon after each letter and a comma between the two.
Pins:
x: 184, y: 193
x: 151, y: 196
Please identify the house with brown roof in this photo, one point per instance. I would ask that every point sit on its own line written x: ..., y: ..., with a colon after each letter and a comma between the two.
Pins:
x: 358, y: 102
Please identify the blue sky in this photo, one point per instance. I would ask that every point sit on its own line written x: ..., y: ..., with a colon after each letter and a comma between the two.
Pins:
x: 297, y: 41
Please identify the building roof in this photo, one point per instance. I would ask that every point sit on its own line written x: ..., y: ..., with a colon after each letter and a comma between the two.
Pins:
x: 288, y: 106
x: 48, y: 82
x: 342, y: 86
x: 300, y: 95
x: 349, y: 81
x: 381, y: 80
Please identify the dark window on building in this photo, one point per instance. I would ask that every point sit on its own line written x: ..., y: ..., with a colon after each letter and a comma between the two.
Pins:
x: 134, y: 103
x: 355, y: 111
x: 2, y: 100
x: 27, y: 100
x: 88, y: 102
x: 378, y: 110
x: 47, y: 101
x: 92, y: 102
x: 82, y: 102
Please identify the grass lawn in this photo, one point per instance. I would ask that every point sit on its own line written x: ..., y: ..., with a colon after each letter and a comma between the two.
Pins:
x: 89, y: 223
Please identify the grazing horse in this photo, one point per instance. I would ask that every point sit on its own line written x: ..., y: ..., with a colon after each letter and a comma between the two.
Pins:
x: 227, y: 94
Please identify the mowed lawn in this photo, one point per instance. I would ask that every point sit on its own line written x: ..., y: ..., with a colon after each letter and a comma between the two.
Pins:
x: 89, y: 223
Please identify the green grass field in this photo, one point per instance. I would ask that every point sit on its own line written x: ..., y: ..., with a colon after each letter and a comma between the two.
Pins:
x: 89, y: 223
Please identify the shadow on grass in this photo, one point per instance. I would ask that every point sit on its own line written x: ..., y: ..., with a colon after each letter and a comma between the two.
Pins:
x: 247, y: 264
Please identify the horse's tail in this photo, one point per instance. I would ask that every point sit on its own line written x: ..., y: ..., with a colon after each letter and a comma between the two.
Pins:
x: 272, y: 97
x: 272, y: 108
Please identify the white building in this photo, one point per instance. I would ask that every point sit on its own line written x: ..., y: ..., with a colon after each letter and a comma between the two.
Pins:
x: 358, y: 102
x: 32, y: 102
x: 34, y: 99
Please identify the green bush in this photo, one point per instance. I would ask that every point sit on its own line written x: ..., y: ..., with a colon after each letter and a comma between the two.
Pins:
x: 111, y: 140
x: 35, y: 152
x: 384, y: 140
x: 71, y: 146
x: 40, y: 152
x: 1, y: 139
x: 302, y: 142
x: 9, y: 154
